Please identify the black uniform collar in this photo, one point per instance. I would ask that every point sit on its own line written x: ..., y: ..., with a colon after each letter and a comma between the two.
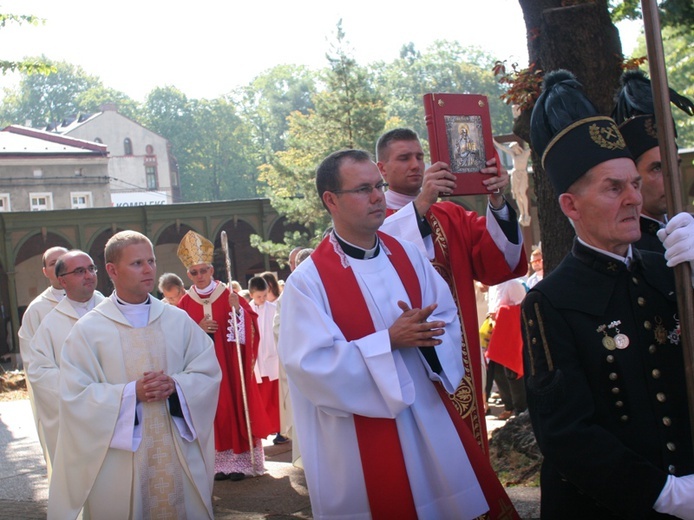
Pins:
x: 601, y: 262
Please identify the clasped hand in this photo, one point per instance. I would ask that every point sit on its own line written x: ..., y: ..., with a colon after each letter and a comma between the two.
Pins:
x: 412, y: 329
x: 154, y: 386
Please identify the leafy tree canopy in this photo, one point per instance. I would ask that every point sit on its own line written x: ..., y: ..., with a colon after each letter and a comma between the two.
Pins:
x: 674, y: 13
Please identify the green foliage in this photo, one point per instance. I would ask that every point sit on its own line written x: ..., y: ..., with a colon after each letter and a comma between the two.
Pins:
x: 348, y: 113
x: 674, y: 13
x: 63, y: 92
x: 265, y: 104
x: 29, y: 65
x: 445, y: 66
x: 218, y: 144
x: 679, y: 63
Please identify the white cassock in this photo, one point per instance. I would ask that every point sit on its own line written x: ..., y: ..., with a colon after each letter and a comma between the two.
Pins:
x: 267, y: 364
x: 330, y: 379
x: 44, y: 370
x: 104, y: 462
x: 35, y: 312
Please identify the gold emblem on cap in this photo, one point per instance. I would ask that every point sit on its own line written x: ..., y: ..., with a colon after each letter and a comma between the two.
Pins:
x: 607, y: 137
x: 650, y: 128
x: 195, y: 249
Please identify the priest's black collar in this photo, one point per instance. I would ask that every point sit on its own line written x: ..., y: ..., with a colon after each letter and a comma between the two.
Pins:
x: 357, y: 252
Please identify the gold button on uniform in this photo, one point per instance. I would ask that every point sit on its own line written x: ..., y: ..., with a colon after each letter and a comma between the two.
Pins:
x: 619, y: 404
x: 615, y: 390
x: 671, y: 446
x: 671, y: 469
x: 647, y: 325
x: 667, y: 421
x: 652, y: 349
x: 624, y: 418
x: 635, y: 280
x: 655, y: 373
x: 660, y: 396
x: 610, y: 358
x: 641, y: 301
x: 613, y: 376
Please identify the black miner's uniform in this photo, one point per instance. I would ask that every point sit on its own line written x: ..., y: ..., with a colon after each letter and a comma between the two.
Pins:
x: 606, y: 385
x: 649, y: 240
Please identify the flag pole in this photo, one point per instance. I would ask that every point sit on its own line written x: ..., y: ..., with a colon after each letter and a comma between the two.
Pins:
x: 673, y: 185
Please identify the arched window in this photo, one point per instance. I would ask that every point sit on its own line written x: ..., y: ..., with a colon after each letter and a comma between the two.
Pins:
x: 150, y: 149
x: 128, y: 146
x: 98, y: 140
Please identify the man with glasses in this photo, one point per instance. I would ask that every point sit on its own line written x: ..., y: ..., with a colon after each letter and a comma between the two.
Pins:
x: 462, y: 245
x: 76, y: 273
x: 370, y: 341
x: 210, y: 304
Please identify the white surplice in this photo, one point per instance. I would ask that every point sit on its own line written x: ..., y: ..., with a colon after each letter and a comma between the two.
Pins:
x: 44, y: 370
x: 267, y: 364
x: 330, y: 379
x: 97, y: 355
x: 34, y: 313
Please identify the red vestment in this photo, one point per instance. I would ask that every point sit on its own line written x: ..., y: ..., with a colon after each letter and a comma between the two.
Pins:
x: 465, y: 251
x: 506, y: 343
x: 230, y: 430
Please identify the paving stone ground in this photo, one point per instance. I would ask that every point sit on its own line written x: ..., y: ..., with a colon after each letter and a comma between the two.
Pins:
x: 281, y: 494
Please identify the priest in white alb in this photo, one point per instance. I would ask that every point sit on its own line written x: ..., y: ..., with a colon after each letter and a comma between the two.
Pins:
x: 76, y: 273
x: 139, y: 383
x: 370, y: 341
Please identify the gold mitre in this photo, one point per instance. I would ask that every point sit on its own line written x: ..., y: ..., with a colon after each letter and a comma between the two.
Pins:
x: 195, y: 249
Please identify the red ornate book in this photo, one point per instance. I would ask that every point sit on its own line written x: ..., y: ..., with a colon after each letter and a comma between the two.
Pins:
x: 460, y: 134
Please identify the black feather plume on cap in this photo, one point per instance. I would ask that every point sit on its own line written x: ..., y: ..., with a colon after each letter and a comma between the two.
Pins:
x: 634, y: 111
x: 635, y: 98
x: 561, y: 103
x: 569, y: 134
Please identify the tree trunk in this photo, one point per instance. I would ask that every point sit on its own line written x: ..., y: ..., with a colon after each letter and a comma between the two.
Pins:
x: 582, y: 39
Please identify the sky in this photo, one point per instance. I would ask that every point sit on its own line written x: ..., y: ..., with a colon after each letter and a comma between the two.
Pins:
x: 206, y: 48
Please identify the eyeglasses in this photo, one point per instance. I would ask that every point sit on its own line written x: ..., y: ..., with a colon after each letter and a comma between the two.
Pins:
x: 202, y: 271
x: 81, y: 271
x: 364, y: 191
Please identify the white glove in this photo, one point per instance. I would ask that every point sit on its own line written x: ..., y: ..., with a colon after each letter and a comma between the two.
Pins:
x: 678, y: 239
x: 677, y: 497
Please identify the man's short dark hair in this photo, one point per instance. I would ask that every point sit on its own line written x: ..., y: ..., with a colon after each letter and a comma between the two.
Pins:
x: 328, y: 173
x: 397, y: 134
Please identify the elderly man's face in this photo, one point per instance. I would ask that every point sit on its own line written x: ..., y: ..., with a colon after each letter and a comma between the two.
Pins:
x: 605, y: 205
x: 201, y: 275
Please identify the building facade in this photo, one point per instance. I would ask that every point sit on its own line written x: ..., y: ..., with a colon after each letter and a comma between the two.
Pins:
x: 142, y: 168
x: 43, y: 171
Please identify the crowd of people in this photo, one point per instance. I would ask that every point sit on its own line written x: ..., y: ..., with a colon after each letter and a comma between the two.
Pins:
x: 370, y: 358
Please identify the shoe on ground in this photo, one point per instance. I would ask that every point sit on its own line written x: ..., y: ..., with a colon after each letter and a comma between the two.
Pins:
x: 221, y: 476
x: 504, y: 415
x: 235, y: 477
x: 280, y: 439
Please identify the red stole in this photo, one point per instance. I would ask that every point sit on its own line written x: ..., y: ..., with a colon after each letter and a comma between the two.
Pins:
x: 385, y: 475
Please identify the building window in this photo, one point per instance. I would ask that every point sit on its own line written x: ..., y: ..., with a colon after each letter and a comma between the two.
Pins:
x: 5, y: 202
x: 38, y: 172
x: 150, y: 149
x: 151, y: 172
x: 128, y: 146
x: 98, y: 140
x: 81, y: 200
x: 41, y: 201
